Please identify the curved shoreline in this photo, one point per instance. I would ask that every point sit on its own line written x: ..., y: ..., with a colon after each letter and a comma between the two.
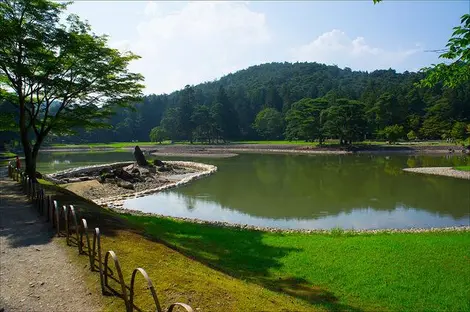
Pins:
x: 115, y: 203
x: 204, y: 170
x: 230, y: 150
x: 463, y: 228
x: 441, y: 171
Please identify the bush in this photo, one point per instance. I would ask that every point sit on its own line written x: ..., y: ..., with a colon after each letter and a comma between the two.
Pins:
x: 411, y: 135
x: 157, y: 134
x: 393, y: 133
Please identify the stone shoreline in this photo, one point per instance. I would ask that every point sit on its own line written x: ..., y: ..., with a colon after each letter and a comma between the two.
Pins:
x: 463, y: 228
x: 118, y: 201
x: 230, y: 150
x: 115, y: 203
x: 442, y: 171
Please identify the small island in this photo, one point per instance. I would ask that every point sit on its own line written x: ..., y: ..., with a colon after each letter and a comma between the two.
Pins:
x: 110, y: 184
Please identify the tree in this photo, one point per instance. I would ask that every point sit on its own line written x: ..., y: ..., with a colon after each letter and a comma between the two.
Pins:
x: 186, y: 108
x: 393, y: 133
x: 204, y: 123
x: 157, y: 134
x: 457, y: 72
x: 225, y: 115
x: 304, y: 120
x: 63, y: 76
x: 169, y: 123
x: 459, y: 131
x: 345, y: 121
x: 411, y: 135
x: 269, y: 123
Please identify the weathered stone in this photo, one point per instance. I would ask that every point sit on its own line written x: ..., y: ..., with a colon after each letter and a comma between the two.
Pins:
x: 125, y: 184
x: 139, y: 157
x: 165, y: 168
x: 144, y: 171
x: 122, y: 174
x: 158, y: 163
x: 129, y: 168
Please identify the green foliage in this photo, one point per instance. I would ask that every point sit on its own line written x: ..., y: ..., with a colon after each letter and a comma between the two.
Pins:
x: 345, y: 121
x: 66, y: 78
x: 269, y: 124
x: 411, y: 135
x: 304, y: 120
x: 393, y: 133
x: 169, y: 123
x: 458, y: 71
x: 459, y: 131
x: 157, y: 134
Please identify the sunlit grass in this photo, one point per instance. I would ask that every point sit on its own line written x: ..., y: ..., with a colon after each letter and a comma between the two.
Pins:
x: 7, y: 155
x: 462, y: 168
x: 176, y: 277
x: 395, y: 272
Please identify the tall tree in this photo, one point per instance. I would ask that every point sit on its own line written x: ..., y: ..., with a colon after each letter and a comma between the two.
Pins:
x: 225, y: 115
x: 169, y: 123
x: 269, y: 124
x: 305, y: 120
x: 63, y: 75
x: 345, y: 121
x: 186, y: 108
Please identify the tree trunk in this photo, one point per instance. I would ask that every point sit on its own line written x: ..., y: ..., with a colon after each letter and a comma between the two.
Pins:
x: 30, y: 163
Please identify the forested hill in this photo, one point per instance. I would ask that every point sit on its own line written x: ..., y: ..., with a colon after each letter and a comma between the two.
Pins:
x: 307, y: 101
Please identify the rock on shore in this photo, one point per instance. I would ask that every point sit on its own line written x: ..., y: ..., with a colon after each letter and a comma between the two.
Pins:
x: 442, y: 171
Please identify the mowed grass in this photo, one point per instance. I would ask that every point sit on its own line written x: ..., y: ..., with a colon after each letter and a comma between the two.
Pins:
x: 328, y: 143
x: 373, y: 272
x: 107, y: 145
x: 176, y: 276
x: 462, y: 168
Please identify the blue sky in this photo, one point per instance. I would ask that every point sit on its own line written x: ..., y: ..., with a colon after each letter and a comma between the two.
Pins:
x: 191, y: 42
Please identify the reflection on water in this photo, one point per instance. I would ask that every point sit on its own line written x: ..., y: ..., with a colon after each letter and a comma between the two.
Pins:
x: 300, y: 191
x: 178, y: 205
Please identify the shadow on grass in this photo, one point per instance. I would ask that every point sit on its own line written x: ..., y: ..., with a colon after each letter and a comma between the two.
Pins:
x: 239, y: 253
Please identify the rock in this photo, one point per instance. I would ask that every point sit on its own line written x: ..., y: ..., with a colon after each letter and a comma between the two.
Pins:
x: 165, y: 169
x: 126, y: 185
x: 139, y: 156
x: 144, y: 171
x: 158, y: 163
x: 109, y: 180
x: 123, y: 174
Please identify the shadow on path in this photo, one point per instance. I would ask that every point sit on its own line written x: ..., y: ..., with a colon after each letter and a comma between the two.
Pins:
x: 20, y: 223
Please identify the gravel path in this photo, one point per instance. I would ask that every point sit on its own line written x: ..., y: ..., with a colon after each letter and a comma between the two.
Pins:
x: 36, y: 273
x: 443, y: 171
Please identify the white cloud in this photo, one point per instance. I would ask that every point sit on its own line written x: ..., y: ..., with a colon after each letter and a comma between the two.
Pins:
x: 335, y: 47
x: 199, y: 42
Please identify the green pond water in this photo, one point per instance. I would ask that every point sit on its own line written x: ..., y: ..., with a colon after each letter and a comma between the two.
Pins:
x: 306, y: 191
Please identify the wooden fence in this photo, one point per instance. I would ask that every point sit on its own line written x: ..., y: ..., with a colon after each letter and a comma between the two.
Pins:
x: 65, y: 218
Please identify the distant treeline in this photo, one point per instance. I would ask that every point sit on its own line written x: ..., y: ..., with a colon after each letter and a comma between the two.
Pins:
x: 304, y: 101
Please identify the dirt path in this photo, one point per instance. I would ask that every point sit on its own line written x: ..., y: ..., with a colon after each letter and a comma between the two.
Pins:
x: 36, y: 273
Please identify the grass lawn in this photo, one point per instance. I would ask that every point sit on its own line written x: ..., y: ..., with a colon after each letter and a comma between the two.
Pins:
x: 463, y: 168
x: 394, y: 272
x: 176, y: 276
x: 107, y: 145
x: 118, y: 145
x: 7, y: 155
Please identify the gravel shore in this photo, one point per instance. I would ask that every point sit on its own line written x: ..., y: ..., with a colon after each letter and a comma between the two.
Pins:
x: 442, y: 171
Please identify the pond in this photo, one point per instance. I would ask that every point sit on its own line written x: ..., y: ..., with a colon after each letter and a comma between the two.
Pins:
x: 306, y: 191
